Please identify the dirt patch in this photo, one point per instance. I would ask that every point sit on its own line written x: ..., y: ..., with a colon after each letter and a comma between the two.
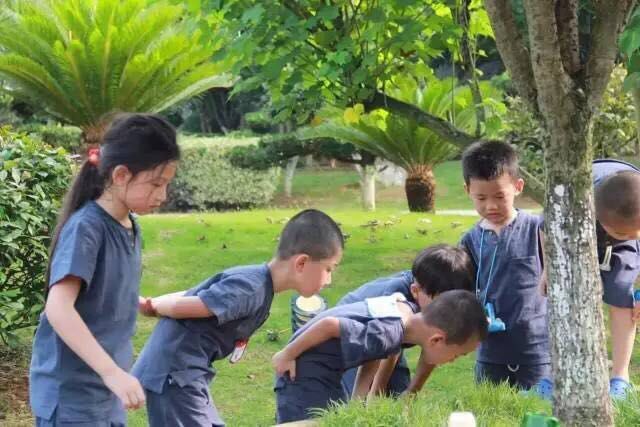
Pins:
x: 14, y: 386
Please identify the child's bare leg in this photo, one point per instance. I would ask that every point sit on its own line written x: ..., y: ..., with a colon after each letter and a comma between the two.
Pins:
x: 623, y: 332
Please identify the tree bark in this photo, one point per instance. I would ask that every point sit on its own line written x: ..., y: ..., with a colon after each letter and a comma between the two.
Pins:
x: 576, y: 321
x: 289, y: 172
x: 92, y: 134
x: 420, y: 188
x: 513, y: 50
x: 367, y: 175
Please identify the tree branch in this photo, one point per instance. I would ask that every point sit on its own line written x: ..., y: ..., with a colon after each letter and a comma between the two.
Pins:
x: 567, y: 20
x: 437, y: 125
x: 534, y: 187
x: 610, y: 17
x: 512, y: 49
x: 552, y: 81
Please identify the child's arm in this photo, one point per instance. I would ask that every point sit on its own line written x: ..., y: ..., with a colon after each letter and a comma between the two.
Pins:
x: 177, y: 306
x: 383, y: 374
x: 364, y: 379
x: 423, y: 371
x: 67, y: 323
x: 147, y: 305
x: 321, y: 331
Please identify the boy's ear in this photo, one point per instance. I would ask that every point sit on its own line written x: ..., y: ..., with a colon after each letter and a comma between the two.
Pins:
x: 415, y: 290
x: 466, y: 187
x: 299, y: 261
x: 437, y: 338
x: 519, y: 185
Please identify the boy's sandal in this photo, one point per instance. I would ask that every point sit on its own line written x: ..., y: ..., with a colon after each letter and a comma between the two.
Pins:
x: 619, y: 388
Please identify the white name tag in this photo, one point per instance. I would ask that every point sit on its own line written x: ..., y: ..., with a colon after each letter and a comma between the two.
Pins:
x: 385, y: 306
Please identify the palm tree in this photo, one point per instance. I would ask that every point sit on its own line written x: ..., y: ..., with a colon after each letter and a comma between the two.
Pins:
x: 404, y: 143
x: 82, y: 59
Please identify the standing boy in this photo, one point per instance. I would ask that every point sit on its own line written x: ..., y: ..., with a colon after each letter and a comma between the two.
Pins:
x: 506, y: 250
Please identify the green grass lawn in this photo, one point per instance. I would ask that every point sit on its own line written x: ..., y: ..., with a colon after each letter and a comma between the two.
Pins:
x: 339, y: 189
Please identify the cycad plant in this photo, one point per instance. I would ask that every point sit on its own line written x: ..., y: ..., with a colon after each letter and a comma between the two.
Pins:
x: 82, y: 59
x: 404, y: 143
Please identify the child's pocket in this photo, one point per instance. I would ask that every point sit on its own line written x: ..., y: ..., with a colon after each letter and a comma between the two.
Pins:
x: 524, y: 272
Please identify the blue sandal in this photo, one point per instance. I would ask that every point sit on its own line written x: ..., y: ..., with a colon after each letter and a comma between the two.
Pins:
x: 619, y: 388
x: 543, y: 389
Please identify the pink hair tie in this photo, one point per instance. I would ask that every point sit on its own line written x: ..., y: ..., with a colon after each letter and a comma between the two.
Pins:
x: 93, y: 156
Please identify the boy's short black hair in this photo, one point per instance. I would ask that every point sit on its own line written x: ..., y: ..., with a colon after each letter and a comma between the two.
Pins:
x: 310, y: 232
x: 441, y: 268
x: 618, y: 195
x: 459, y: 315
x: 489, y: 160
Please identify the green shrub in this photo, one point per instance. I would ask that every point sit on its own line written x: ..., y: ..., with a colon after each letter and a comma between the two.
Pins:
x: 206, y: 180
x: 33, y: 179
x: 67, y: 137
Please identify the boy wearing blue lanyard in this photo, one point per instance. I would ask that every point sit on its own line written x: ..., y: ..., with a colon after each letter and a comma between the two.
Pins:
x: 506, y: 250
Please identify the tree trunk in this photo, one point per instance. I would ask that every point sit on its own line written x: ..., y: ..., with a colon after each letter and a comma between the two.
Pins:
x: 636, y: 103
x: 308, y: 160
x: 420, y: 187
x: 367, y: 186
x: 576, y: 322
x: 289, y: 172
x: 92, y: 134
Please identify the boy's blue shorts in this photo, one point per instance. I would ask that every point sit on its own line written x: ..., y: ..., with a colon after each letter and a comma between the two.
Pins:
x: 300, y: 399
x: 190, y: 405
x: 618, y: 282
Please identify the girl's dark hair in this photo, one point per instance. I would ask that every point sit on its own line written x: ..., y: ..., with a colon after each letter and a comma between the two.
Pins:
x: 138, y: 141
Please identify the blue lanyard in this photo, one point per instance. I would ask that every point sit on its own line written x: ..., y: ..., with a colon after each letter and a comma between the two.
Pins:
x: 493, y: 260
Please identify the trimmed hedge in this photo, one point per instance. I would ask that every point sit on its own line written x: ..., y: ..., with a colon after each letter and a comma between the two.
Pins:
x: 206, y: 180
x: 67, y: 137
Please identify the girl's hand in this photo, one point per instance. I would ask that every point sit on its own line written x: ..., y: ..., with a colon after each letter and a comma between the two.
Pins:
x: 283, y: 364
x: 145, y: 307
x: 126, y: 387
